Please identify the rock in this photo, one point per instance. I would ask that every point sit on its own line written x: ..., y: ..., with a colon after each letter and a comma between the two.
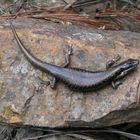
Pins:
x: 25, y: 99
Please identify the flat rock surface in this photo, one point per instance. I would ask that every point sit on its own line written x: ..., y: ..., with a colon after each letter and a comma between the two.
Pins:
x: 24, y: 97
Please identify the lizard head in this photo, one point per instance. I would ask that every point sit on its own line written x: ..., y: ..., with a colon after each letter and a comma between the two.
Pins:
x: 129, y: 64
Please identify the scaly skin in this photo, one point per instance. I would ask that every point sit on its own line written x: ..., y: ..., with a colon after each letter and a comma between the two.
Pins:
x: 80, y: 79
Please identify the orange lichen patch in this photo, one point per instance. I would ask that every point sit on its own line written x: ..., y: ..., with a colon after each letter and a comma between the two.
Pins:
x: 10, y: 116
x: 16, y: 119
x: 1, y: 87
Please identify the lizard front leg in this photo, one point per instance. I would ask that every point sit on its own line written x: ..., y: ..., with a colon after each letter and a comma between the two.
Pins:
x: 113, y: 61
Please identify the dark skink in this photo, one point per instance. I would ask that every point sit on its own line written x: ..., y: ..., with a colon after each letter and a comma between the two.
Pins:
x: 80, y: 79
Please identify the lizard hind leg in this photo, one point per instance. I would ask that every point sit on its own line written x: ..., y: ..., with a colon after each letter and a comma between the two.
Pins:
x: 54, y: 80
x: 67, y: 56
